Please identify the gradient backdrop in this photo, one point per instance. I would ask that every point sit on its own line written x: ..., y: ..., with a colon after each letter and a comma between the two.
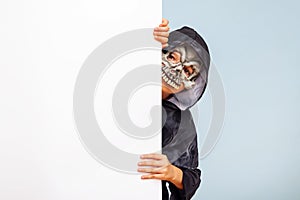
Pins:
x: 255, y: 46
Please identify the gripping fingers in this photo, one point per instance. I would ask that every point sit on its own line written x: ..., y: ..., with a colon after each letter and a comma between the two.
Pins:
x: 162, y: 40
x: 163, y: 34
x: 162, y: 29
x: 156, y: 170
x: 152, y: 163
x: 164, y: 22
x: 154, y: 156
x: 153, y: 176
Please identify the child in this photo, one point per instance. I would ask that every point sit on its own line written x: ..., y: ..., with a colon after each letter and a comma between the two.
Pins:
x: 185, y: 64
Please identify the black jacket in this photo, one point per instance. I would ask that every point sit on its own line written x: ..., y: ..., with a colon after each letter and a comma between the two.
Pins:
x: 179, y: 126
x: 179, y: 137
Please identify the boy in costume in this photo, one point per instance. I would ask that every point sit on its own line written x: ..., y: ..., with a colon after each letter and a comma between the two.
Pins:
x: 185, y: 64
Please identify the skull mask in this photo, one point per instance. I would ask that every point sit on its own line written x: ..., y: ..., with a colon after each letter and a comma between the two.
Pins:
x: 180, y: 66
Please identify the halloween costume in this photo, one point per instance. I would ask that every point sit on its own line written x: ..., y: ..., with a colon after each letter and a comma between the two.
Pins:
x: 179, y: 137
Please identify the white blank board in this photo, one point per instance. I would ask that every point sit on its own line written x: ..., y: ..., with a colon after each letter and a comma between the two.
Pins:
x: 43, y: 47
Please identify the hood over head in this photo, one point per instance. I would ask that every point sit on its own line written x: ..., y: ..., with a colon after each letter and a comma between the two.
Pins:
x: 193, y: 49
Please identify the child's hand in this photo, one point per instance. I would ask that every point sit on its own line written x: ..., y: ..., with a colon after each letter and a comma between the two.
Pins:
x: 157, y: 166
x: 161, y: 33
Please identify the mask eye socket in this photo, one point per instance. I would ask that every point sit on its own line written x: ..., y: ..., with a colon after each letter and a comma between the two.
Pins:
x: 174, y: 57
x: 171, y: 57
x: 188, y: 70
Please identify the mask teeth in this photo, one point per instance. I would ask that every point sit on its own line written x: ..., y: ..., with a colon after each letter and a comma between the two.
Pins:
x: 165, y: 68
x: 169, y: 81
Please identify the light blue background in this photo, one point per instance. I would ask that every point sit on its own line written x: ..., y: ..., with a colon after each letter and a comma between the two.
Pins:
x: 255, y: 46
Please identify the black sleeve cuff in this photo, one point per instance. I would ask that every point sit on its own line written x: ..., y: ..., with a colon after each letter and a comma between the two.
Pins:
x: 190, y: 181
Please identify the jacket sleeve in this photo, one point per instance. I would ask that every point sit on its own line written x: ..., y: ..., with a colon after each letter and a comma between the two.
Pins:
x: 190, y: 181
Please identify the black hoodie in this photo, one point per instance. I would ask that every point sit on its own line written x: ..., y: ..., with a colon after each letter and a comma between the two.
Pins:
x: 179, y: 137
